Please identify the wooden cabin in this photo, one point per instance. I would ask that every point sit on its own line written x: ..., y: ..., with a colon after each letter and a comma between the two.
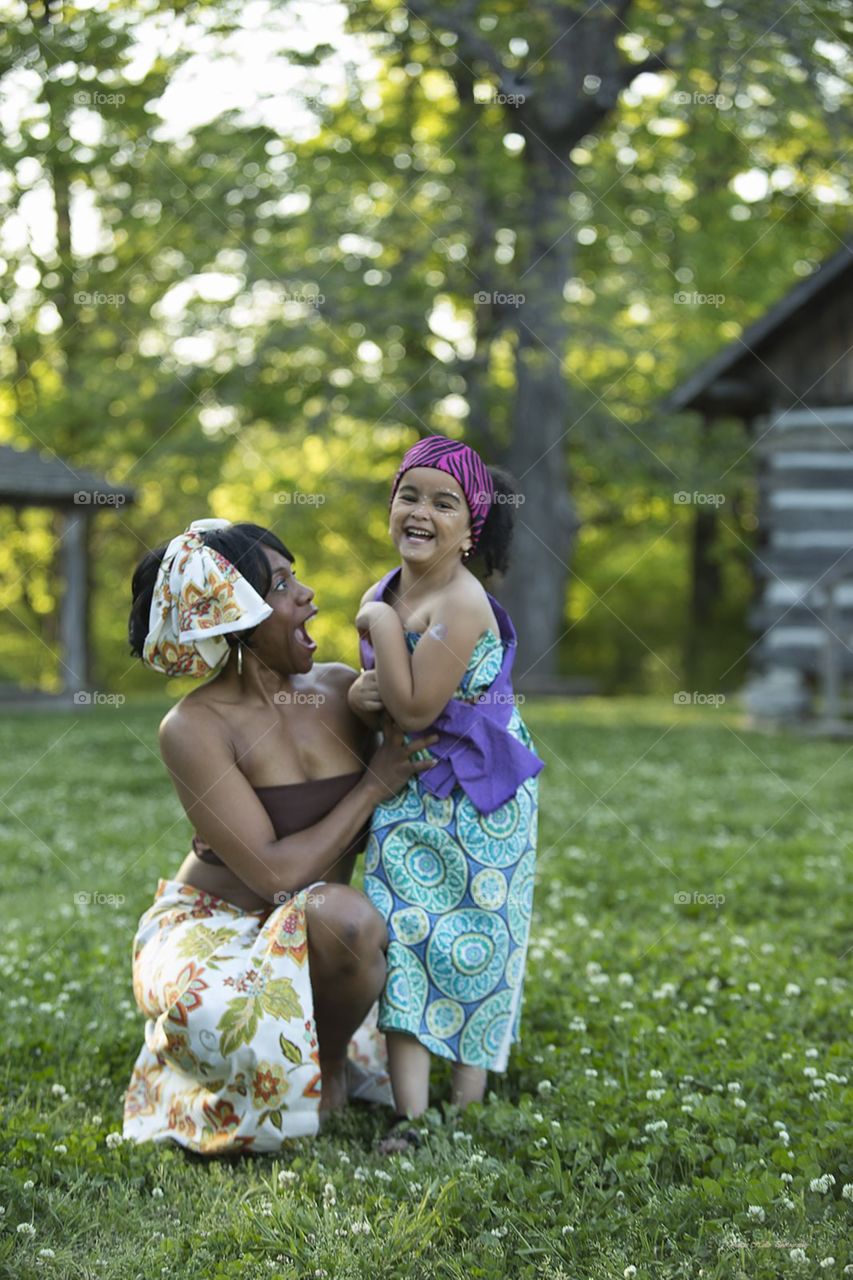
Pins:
x: 31, y: 479
x: 789, y: 377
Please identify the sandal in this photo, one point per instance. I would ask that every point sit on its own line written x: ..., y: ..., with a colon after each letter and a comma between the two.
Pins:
x: 400, y: 1137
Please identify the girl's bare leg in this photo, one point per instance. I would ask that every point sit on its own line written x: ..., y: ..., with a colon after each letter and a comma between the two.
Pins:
x: 346, y: 948
x: 468, y: 1084
x: 408, y: 1064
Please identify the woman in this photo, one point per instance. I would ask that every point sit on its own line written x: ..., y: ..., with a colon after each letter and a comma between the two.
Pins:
x: 257, y: 965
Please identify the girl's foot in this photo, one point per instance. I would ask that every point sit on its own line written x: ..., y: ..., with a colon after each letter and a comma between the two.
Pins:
x: 400, y: 1137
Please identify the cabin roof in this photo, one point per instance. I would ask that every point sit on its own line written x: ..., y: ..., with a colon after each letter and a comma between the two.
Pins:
x: 31, y: 477
x: 723, y: 369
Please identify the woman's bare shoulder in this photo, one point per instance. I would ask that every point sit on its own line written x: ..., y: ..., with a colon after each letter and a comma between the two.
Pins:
x: 335, y: 676
x: 194, y: 715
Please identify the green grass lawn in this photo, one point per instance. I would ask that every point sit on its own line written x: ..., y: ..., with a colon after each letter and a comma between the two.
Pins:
x: 679, y: 1102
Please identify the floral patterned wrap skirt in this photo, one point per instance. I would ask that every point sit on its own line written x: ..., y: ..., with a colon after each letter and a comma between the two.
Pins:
x: 230, y: 1061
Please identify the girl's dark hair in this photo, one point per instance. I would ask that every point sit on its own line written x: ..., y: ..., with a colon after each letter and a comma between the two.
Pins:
x: 240, y: 544
x: 491, y: 554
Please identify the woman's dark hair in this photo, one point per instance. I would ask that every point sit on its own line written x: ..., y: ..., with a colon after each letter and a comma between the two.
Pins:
x: 240, y: 544
x: 491, y: 555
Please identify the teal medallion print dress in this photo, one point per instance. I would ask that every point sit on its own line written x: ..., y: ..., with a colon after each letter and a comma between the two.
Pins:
x: 455, y: 884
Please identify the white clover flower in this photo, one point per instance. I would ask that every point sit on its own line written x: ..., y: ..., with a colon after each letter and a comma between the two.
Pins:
x: 537, y: 1116
x: 810, y: 1072
x: 753, y: 987
x: 654, y: 1074
x: 567, y: 1231
x: 544, y: 1086
x: 29, y: 1184
x: 360, y: 1174
x: 740, y: 1102
x: 625, y: 980
x: 156, y: 1193
x: 656, y: 1126
x: 812, y: 1052
x: 654, y: 1095
x: 577, y: 1024
x: 287, y: 1176
x: 59, y: 1091
x: 46, y: 1253
x: 541, y: 1143
x: 798, y: 1255
x: 786, y: 1177
x: 791, y: 989
x: 826, y: 1263
x: 329, y: 1196
x: 629, y: 1273
x: 113, y: 1140
x: 26, y: 1229
x: 381, y: 1176
x: 822, y: 1184
x: 733, y: 1086
x: 756, y: 1211
x: 591, y: 1073
x: 96, y: 1119
x: 847, y: 1191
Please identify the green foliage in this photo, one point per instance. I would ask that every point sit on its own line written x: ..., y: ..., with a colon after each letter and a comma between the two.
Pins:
x: 263, y: 316
x: 682, y: 1080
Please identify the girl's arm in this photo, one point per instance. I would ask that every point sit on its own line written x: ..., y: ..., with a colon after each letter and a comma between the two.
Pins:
x: 415, y: 688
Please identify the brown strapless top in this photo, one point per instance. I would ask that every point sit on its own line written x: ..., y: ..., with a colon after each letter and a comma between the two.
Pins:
x: 293, y: 806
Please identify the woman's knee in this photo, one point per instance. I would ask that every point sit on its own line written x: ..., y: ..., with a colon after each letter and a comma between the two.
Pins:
x: 344, y: 926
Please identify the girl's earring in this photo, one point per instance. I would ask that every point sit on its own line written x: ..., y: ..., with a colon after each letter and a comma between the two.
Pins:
x: 239, y: 657
x: 466, y: 554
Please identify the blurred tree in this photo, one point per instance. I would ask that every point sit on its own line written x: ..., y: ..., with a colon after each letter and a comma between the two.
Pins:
x: 263, y: 323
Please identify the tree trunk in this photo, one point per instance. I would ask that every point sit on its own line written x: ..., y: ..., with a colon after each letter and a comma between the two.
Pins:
x: 535, y: 587
x: 705, y: 588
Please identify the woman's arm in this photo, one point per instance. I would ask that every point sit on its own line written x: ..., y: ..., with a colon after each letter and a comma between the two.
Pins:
x: 415, y: 688
x: 227, y: 814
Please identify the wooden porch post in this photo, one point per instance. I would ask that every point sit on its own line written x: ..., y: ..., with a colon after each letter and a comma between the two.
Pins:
x: 74, y: 610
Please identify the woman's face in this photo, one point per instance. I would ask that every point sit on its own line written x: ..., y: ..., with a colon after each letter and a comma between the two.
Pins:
x: 281, y: 642
x: 429, y: 519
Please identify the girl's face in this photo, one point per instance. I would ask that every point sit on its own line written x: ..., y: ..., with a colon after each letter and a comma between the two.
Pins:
x: 429, y: 520
x: 281, y: 641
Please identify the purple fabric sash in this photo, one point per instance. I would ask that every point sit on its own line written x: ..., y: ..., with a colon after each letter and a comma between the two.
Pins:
x: 475, y: 750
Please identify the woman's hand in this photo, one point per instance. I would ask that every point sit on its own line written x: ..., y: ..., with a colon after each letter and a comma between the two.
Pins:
x: 363, y: 695
x: 391, y: 765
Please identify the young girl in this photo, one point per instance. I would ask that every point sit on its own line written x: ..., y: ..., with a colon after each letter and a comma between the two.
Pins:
x: 450, y: 859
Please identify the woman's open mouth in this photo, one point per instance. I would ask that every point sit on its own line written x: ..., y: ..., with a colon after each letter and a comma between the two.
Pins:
x: 302, y: 637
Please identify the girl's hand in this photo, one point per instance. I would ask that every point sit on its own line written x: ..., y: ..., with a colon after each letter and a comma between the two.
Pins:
x: 363, y: 695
